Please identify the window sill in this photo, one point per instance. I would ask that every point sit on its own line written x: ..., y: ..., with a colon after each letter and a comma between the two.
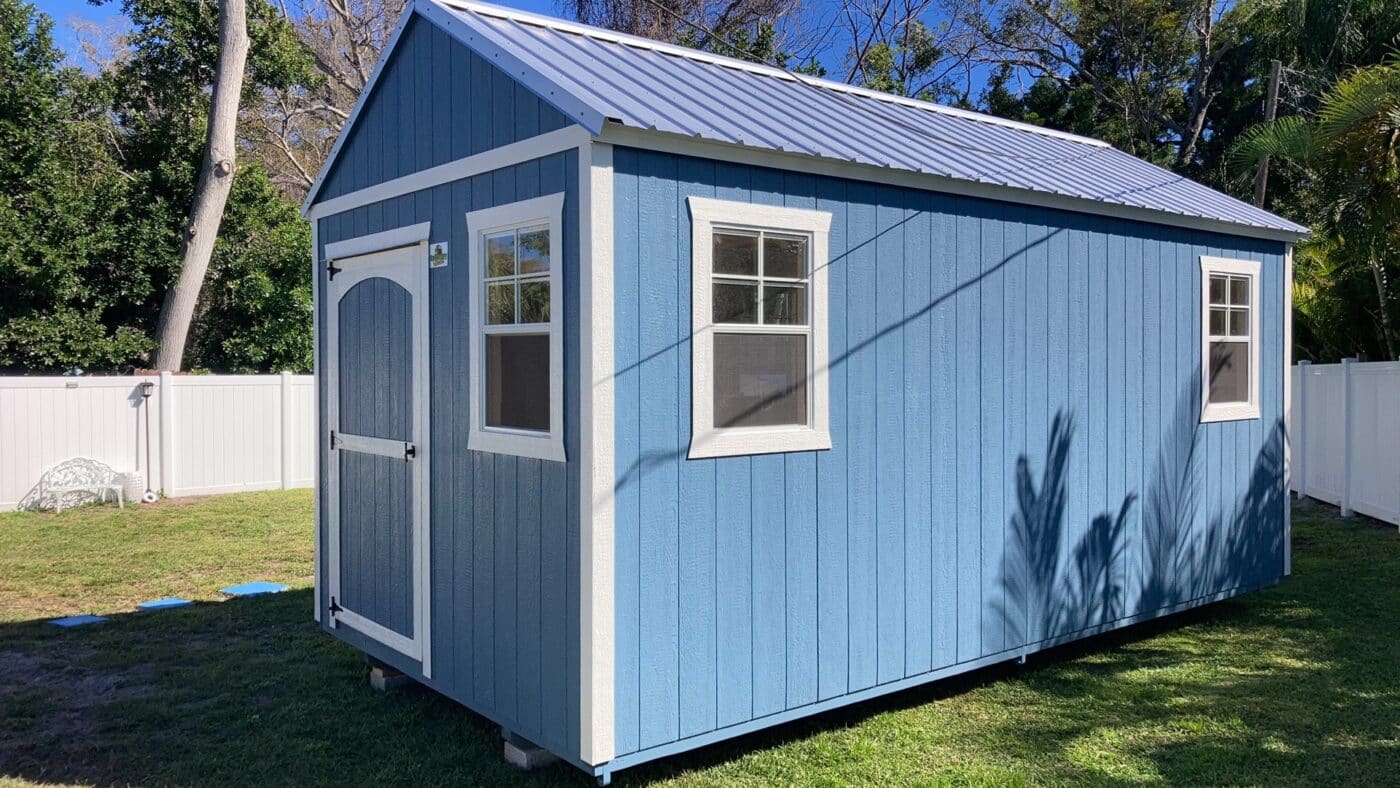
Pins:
x: 747, y: 442
x: 1231, y: 412
x: 538, y: 447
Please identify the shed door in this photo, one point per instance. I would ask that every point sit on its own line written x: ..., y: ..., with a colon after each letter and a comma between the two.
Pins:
x: 376, y: 347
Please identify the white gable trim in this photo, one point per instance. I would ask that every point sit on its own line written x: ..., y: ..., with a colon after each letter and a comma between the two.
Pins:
x: 495, y: 53
x: 360, y: 102
x: 528, y: 149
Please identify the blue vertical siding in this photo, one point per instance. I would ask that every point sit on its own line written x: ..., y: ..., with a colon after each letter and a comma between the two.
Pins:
x: 833, y: 549
x: 504, y: 530
x: 1016, y: 451
x: 421, y: 112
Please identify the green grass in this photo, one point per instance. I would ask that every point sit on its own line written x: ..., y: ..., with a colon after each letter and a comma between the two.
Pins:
x: 1299, y: 684
x: 102, y: 559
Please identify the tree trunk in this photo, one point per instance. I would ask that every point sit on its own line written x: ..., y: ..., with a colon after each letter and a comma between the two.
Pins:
x: 211, y: 191
x: 1383, y: 295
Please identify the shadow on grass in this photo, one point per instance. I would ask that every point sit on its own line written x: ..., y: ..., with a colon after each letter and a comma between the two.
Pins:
x: 242, y: 692
x: 252, y: 692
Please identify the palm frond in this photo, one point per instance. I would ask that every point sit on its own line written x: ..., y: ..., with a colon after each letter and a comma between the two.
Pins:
x: 1363, y: 97
x: 1288, y: 138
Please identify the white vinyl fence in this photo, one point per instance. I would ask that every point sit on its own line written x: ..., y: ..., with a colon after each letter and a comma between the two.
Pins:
x: 1346, y: 436
x: 208, y: 433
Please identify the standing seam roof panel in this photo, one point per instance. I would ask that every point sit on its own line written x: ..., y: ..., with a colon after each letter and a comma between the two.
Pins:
x: 655, y: 86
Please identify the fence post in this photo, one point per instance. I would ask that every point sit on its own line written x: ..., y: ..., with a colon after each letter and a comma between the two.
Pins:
x: 167, y: 434
x: 1298, y: 432
x: 1347, y: 408
x: 285, y: 438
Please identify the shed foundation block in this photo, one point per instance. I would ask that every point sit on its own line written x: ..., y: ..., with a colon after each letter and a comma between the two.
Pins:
x: 525, y: 755
x: 384, y: 678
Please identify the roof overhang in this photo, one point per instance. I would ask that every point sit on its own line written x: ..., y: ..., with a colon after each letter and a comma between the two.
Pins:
x: 650, y: 139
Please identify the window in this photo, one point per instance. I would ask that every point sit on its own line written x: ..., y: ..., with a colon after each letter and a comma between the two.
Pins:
x: 516, y: 360
x: 759, y: 351
x: 1229, y: 339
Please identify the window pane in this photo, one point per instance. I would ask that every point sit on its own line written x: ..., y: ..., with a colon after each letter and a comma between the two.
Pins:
x: 1229, y: 372
x: 1219, y: 320
x: 500, y: 254
x: 1217, y: 289
x: 500, y: 303
x: 1239, y: 322
x: 784, y: 305
x: 760, y: 380
x: 517, y: 381
x: 736, y: 254
x: 1239, y: 291
x: 735, y: 303
x: 534, y: 302
x: 534, y: 250
x: 785, y: 257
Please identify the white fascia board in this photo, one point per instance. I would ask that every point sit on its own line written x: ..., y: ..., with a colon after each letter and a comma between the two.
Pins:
x: 500, y: 54
x: 384, y: 55
x: 667, y: 142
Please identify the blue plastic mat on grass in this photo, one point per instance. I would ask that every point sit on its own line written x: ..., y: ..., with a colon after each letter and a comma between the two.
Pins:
x: 77, y: 621
x: 254, y: 588
x: 164, y: 603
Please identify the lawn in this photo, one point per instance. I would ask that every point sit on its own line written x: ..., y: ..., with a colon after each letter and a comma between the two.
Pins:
x: 1297, y: 684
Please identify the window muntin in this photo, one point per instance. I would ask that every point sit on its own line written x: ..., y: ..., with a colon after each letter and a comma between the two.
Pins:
x: 760, y: 281
x: 759, y: 349
x: 516, y: 369
x: 1228, y: 368
x: 1229, y: 331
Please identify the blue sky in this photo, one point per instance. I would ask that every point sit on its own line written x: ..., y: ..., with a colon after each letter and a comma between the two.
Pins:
x: 63, y: 11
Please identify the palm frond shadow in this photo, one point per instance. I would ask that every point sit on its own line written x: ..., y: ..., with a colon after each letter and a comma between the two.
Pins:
x: 1060, y: 579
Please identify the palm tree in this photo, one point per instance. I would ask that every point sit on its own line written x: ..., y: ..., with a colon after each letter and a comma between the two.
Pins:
x: 1349, y: 155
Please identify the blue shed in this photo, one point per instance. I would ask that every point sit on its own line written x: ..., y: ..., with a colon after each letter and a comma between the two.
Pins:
x: 667, y: 397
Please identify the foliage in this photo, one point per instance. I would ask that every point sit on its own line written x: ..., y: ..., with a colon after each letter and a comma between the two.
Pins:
x: 904, y: 66
x: 69, y: 301
x: 96, y: 176
x: 1348, y: 159
x: 758, y: 46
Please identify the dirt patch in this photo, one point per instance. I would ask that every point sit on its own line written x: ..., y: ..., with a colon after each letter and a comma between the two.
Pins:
x: 49, y: 703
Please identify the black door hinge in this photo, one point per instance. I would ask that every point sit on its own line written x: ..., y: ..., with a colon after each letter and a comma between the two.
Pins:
x: 409, y: 451
x: 334, y: 608
x: 331, y: 270
x: 335, y: 444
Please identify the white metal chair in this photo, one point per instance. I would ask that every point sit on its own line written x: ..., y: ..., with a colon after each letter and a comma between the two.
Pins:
x: 74, y: 482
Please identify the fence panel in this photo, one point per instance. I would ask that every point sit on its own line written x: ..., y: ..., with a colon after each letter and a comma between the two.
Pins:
x: 209, y: 433
x: 1346, y: 428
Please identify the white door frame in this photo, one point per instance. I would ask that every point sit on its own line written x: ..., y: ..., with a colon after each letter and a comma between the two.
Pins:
x: 400, y: 256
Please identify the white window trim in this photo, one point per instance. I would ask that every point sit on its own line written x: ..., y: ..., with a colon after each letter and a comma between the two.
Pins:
x: 1230, y: 411
x: 548, y: 209
x: 707, y: 440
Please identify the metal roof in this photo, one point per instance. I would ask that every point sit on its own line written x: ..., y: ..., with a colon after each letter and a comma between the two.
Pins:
x: 599, y: 76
